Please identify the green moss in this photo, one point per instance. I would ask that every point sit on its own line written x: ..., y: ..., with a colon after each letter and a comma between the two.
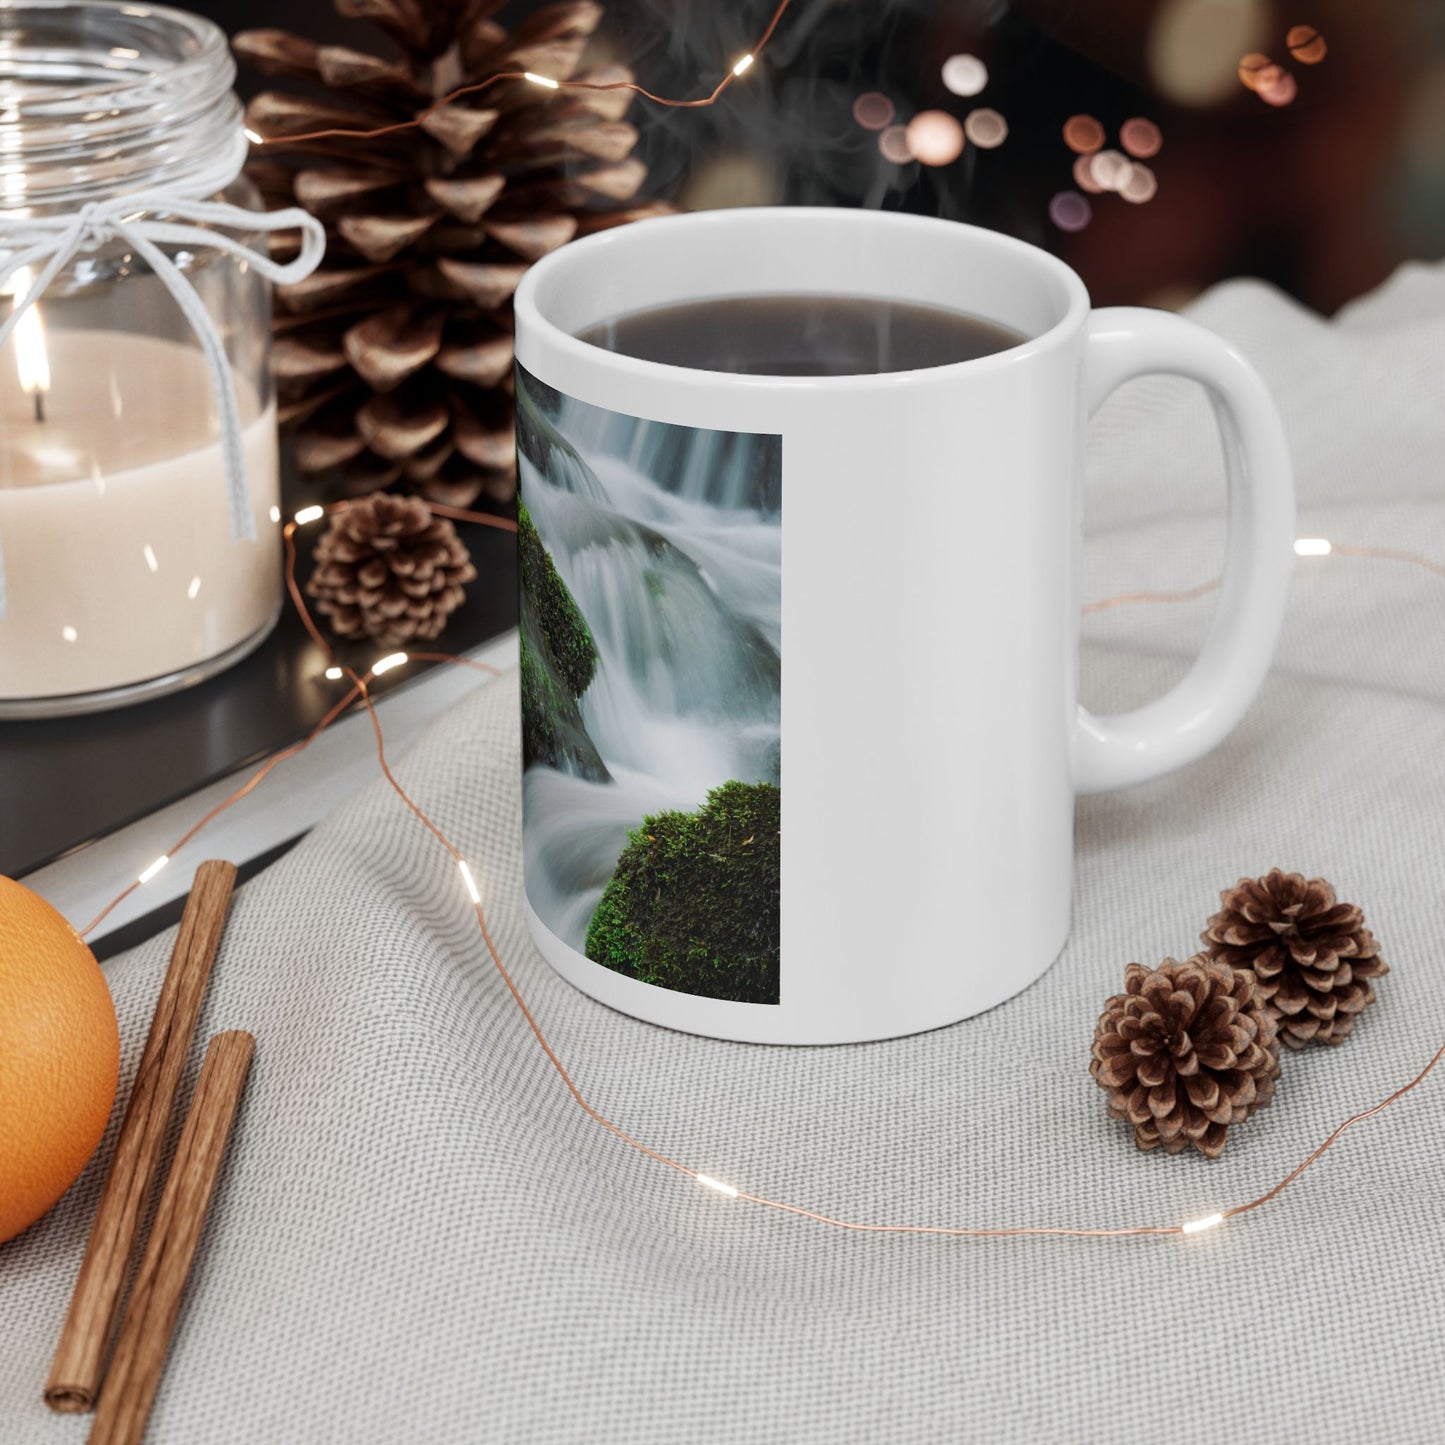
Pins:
x: 564, y: 627
x: 693, y: 902
x: 553, y: 732
x: 558, y: 661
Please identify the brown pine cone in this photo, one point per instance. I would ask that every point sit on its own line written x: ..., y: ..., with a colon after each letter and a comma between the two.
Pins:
x: 393, y: 361
x: 1185, y: 1051
x: 1312, y: 956
x: 387, y: 569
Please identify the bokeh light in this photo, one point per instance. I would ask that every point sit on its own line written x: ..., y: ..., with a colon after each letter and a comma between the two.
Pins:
x: 1252, y: 66
x: 1194, y: 46
x: 731, y: 180
x: 1267, y: 77
x: 935, y: 137
x: 965, y: 74
x: 873, y: 110
x: 1084, y: 175
x: 1306, y: 44
x: 894, y: 144
x: 1141, y: 185
x: 1140, y: 137
x: 1173, y: 297
x: 1110, y: 169
x: 1070, y: 211
x: 1083, y: 134
x: 985, y: 128
x: 1278, y: 89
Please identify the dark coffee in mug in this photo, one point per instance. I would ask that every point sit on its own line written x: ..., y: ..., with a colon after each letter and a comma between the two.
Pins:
x: 802, y: 335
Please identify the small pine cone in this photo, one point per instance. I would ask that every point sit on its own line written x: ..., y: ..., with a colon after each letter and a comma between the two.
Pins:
x: 1312, y: 956
x: 1185, y: 1051
x: 387, y: 569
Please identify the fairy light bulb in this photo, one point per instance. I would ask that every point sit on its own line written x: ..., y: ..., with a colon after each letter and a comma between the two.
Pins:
x: 743, y: 63
x: 1313, y: 547
x: 309, y: 514
x: 256, y: 140
x: 542, y: 80
x: 148, y: 873
x: 1198, y: 1226
x: 708, y: 1182
x: 471, y: 882
x: 385, y: 664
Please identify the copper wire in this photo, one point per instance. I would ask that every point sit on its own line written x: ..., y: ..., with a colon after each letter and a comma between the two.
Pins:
x: 254, y: 781
x: 1129, y: 599
x: 343, y: 132
x: 359, y: 690
x: 288, y: 534
x: 1387, y: 554
x: 1189, y: 594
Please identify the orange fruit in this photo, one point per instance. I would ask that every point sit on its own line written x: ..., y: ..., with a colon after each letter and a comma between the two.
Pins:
x: 59, y: 1056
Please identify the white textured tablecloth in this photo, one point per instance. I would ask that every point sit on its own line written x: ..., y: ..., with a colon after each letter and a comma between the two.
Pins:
x: 418, y: 1236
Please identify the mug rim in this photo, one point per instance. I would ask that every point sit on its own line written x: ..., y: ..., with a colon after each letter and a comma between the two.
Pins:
x: 530, y: 311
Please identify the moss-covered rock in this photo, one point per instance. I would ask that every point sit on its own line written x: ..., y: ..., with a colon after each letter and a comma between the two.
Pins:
x: 562, y: 623
x: 558, y: 661
x: 693, y: 902
x: 553, y: 732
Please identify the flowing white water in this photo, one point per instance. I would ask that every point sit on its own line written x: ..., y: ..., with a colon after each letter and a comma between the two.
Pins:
x: 665, y: 541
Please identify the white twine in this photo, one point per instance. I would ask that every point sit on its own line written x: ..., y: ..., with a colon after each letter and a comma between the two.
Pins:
x: 52, y: 242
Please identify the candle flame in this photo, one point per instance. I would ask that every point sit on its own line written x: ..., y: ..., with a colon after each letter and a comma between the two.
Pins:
x: 32, y: 361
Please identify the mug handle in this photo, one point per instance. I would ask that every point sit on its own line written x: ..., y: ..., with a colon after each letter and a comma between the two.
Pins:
x: 1124, y: 342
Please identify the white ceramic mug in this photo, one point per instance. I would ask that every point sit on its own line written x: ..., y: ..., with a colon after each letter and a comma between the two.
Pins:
x: 857, y: 594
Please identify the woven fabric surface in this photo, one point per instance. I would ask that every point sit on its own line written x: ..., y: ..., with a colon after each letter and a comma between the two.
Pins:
x: 420, y: 1237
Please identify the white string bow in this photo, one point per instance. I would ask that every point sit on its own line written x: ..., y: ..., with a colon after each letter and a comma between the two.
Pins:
x: 52, y: 242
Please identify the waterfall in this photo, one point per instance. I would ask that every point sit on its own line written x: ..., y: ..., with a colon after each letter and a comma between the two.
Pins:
x: 669, y: 540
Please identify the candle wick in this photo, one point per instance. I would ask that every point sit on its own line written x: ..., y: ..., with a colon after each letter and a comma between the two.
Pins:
x: 39, y: 404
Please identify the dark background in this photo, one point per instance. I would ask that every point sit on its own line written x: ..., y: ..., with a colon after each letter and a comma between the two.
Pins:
x: 1323, y: 196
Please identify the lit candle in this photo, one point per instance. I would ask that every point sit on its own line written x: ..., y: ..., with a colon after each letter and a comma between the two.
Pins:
x: 119, y: 561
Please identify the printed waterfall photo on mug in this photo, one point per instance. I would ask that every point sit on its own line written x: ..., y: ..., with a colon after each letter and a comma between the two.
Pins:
x: 651, y: 619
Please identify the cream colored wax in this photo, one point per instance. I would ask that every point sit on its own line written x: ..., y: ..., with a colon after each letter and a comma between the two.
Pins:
x: 119, y: 562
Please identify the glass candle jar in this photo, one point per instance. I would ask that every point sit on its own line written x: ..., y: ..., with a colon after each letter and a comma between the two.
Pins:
x: 128, y: 568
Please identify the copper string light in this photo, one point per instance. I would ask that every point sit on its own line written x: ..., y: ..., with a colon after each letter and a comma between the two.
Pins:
x: 547, y: 82
x: 360, y: 690
x: 1304, y: 547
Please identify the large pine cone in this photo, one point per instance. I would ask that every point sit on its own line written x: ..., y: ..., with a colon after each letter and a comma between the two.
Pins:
x: 1185, y: 1051
x: 394, y: 360
x: 1313, y: 957
x: 388, y: 570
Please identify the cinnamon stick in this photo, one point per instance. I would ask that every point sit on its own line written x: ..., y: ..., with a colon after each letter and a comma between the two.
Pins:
x: 79, y: 1362
x: 155, y: 1298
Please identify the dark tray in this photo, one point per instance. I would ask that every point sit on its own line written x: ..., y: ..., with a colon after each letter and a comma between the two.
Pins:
x: 66, y: 781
